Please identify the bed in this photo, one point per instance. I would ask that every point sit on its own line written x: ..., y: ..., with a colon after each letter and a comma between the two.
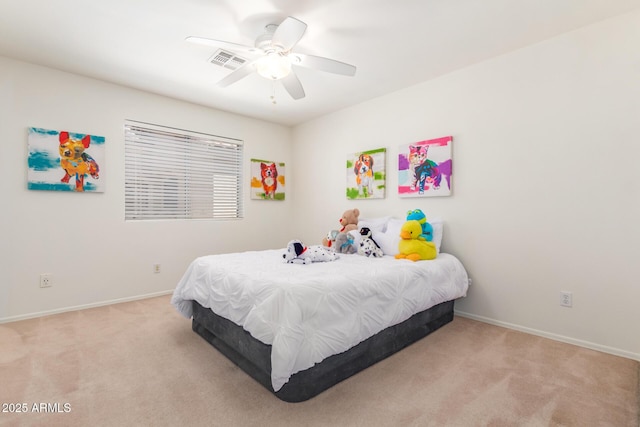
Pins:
x: 299, y: 329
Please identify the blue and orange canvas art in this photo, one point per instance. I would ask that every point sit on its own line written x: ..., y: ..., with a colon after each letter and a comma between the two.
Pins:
x: 65, y: 161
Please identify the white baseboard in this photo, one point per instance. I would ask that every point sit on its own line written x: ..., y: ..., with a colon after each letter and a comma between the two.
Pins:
x: 81, y: 307
x: 555, y: 337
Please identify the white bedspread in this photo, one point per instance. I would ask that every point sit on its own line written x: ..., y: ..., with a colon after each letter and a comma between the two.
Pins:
x: 310, y: 312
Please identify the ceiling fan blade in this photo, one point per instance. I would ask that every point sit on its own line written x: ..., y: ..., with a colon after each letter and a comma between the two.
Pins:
x: 238, y: 74
x: 292, y: 84
x: 288, y: 33
x: 323, y: 64
x: 223, y: 44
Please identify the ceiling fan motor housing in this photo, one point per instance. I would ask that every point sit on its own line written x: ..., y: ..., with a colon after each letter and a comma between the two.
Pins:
x: 263, y: 41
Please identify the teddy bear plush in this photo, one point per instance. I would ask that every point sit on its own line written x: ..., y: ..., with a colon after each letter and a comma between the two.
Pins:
x: 344, y: 242
x: 339, y: 240
x: 349, y: 220
x: 298, y: 253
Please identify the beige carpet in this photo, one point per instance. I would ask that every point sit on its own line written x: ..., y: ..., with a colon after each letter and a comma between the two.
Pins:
x: 139, y: 364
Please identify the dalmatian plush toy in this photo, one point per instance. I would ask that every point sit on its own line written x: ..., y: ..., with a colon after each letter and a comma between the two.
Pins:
x: 368, y: 246
x: 297, y: 253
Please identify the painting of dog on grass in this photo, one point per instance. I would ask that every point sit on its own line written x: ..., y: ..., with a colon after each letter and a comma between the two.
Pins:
x: 366, y: 175
x: 267, y: 180
x: 424, y: 168
x: 65, y: 161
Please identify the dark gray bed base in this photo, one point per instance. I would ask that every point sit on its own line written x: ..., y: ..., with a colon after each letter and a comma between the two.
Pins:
x: 254, y: 357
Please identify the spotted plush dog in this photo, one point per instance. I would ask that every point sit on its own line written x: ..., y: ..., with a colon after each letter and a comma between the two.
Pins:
x: 297, y: 253
x: 368, y: 246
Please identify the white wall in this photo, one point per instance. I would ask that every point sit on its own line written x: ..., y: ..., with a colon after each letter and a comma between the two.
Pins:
x: 545, y: 184
x: 545, y: 187
x: 82, y: 239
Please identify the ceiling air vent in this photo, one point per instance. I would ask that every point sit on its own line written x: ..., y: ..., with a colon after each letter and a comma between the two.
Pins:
x: 227, y: 59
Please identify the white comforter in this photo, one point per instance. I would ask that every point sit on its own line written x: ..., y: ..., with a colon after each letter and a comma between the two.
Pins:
x: 310, y: 312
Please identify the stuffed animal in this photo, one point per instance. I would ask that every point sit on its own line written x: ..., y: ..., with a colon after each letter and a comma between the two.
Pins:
x: 411, y: 246
x: 297, y: 253
x: 330, y: 239
x: 368, y: 246
x: 427, y: 229
x: 349, y: 220
x: 345, y: 243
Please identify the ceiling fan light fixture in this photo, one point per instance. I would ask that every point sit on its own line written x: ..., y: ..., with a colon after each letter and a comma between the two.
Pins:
x: 274, y: 66
x: 273, y: 57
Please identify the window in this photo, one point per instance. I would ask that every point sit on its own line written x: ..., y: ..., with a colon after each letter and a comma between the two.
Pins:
x: 178, y: 174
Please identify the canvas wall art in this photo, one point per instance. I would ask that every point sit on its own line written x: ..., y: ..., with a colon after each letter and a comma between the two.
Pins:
x: 424, y: 168
x: 267, y: 180
x: 65, y: 161
x: 366, y: 174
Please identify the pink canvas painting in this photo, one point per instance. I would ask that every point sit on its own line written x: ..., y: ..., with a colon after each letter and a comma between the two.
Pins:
x: 424, y: 168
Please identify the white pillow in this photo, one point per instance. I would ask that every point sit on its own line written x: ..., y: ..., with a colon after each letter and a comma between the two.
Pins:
x: 390, y: 238
x: 438, y: 226
x: 355, y: 234
x: 374, y: 224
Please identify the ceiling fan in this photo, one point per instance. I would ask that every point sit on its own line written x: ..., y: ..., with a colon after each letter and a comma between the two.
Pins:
x: 272, y: 57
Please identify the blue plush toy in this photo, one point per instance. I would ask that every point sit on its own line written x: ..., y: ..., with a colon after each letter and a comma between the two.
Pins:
x: 427, y: 229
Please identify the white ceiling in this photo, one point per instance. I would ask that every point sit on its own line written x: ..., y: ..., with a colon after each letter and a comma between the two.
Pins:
x: 394, y: 44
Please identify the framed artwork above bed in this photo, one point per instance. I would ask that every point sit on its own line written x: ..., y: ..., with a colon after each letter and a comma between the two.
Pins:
x: 366, y: 174
x: 424, y: 168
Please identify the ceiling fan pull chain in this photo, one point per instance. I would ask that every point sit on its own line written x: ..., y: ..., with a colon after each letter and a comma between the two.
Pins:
x: 273, y: 93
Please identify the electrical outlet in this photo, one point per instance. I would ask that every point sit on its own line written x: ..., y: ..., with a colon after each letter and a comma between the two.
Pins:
x: 566, y: 299
x: 46, y: 280
x: 156, y: 268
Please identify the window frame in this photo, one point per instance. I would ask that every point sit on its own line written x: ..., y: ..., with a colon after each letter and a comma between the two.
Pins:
x: 173, y: 173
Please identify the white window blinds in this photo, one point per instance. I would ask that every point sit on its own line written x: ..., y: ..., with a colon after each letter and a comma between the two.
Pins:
x: 178, y: 174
